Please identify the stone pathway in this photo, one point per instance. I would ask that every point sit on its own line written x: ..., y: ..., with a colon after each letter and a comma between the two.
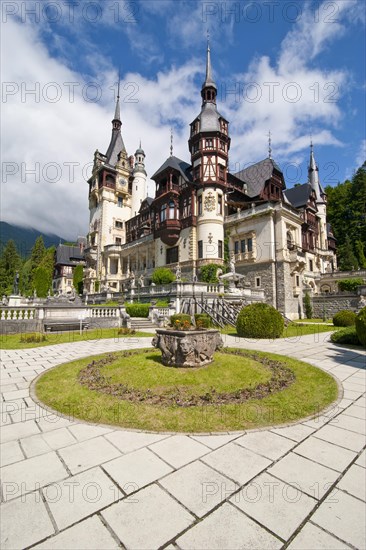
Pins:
x: 70, y: 485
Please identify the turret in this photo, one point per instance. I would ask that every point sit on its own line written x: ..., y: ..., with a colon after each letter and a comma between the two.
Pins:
x: 139, y: 181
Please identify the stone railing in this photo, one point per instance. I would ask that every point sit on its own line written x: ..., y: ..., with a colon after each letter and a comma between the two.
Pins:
x: 17, y: 314
x: 102, y: 312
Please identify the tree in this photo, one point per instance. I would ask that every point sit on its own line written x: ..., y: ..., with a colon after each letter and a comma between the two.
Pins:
x: 163, y: 276
x: 10, y: 263
x: 346, y: 209
x: 208, y: 273
x: 307, y: 306
x: 77, y: 279
x: 347, y: 260
x: 41, y: 282
x: 37, y: 254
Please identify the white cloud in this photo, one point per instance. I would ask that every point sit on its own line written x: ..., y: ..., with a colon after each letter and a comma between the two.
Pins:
x: 361, y: 154
x: 65, y: 131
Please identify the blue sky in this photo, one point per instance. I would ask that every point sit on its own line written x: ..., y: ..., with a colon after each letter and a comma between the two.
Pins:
x: 295, y: 68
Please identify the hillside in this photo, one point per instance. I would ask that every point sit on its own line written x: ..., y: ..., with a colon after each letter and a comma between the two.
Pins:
x: 24, y: 238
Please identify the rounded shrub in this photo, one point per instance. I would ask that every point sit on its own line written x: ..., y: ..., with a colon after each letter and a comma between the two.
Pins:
x: 138, y: 310
x: 361, y: 326
x: 202, y: 320
x: 347, y: 335
x: 345, y: 318
x: 162, y: 276
x: 259, y: 321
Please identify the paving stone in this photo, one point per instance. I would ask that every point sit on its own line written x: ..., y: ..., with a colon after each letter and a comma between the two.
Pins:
x: 131, y: 441
x: 178, y: 450
x: 87, y: 454
x: 89, y: 534
x: 214, y: 441
x: 350, y: 423
x: 150, y: 521
x: 227, y: 528
x: 309, y: 477
x: 35, y: 445
x: 80, y: 496
x: 354, y: 482
x: 49, y: 422
x: 266, y: 443
x: 326, y: 453
x: 357, y: 412
x: 236, y: 462
x: 198, y: 487
x: 361, y: 461
x: 137, y: 469
x: 30, y: 474
x: 10, y: 452
x: 297, y: 432
x: 17, y: 394
x: 343, y: 438
x: 12, y: 432
x: 82, y: 432
x: 276, y: 505
x: 24, y: 521
x: 343, y: 516
x: 312, y: 536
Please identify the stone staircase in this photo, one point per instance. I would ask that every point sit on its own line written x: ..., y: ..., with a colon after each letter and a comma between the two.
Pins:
x: 142, y: 324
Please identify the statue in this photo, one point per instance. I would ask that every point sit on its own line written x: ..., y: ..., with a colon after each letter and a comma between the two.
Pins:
x: 132, y: 278
x: 232, y: 263
x: 16, y: 284
x: 178, y: 273
x: 34, y: 293
x: 5, y: 301
x: 141, y: 281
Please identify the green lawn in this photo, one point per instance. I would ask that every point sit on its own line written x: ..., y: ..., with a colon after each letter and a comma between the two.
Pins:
x: 311, y: 391
x: 307, y: 321
x: 291, y: 331
x: 12, y: 341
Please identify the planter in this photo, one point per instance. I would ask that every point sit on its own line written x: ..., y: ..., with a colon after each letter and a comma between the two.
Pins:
x: 187, y: 348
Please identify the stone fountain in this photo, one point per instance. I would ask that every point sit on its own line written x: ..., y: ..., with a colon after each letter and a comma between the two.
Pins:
x: 187, y: 348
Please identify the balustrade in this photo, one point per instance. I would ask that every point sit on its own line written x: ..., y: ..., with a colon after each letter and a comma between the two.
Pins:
x: 17, y: 314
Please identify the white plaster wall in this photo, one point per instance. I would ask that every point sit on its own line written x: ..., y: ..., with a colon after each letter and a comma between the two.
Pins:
x: 138, y: 192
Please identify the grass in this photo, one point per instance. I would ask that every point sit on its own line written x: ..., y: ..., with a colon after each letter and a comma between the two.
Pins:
x: 292, y: 330
x: 315, y: 320
x: 311, y: 391
x: 12, y: 341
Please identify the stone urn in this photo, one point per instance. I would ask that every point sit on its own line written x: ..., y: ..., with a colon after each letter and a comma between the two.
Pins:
x: 187, y: 348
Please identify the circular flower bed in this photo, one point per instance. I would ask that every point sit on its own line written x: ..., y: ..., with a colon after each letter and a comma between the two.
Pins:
x: 237, y: 391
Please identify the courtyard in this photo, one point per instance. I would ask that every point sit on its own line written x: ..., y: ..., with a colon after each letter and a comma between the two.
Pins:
x: 69, y: 484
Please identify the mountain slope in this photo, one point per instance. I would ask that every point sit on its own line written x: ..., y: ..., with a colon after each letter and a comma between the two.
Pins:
x: 24, y: 238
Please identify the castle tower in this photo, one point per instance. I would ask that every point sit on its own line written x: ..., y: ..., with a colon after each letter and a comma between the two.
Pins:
x: 209, y: 145
x: 321, y: 198
x: 139, y: 190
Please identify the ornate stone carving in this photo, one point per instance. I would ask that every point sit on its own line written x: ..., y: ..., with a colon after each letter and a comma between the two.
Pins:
x: 210, y: 202
x: 187, y: 348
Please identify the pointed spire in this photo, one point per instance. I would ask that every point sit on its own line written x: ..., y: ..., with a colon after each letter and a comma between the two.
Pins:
x: 209, y: 80
x: 171, y: 142
x: 269, y: 145
x: 117, y: 112
x: 313, y: 175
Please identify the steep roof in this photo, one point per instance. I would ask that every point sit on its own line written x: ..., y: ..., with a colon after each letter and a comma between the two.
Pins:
x: 299, y: 195
x: 177, y: 164
x: 68, y: 255
x: 256, y: 175
x: 116, y: 146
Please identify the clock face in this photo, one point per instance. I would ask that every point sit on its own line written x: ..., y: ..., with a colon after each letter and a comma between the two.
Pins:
x: 122, y: 181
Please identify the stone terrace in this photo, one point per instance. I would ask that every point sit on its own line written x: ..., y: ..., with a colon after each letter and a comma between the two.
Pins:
x: 71, y: 485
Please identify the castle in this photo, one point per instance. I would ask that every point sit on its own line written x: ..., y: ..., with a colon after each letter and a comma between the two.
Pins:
x: 277, y: 238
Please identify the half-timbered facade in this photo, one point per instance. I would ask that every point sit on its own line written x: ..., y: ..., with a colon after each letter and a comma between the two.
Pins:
x: 277, y: 238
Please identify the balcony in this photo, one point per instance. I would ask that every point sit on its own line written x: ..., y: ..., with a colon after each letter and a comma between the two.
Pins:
x: 168, y: 231
x: 113, y: 249
x: 172, y: 187
x: 91, y: 252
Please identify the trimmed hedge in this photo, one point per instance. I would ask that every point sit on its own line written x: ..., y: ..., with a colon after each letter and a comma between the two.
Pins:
x: 345, y: 318
x: 163, y: 276
x: 202, y: 320
x: 138, y: 310
x: 349, y: 284
x: 259, y: 321
x: 361, y: 326
x: 347, y: 335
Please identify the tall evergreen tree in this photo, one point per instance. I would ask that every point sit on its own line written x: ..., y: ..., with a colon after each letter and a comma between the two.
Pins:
x: 37, y: 254
x: 10, y: 263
